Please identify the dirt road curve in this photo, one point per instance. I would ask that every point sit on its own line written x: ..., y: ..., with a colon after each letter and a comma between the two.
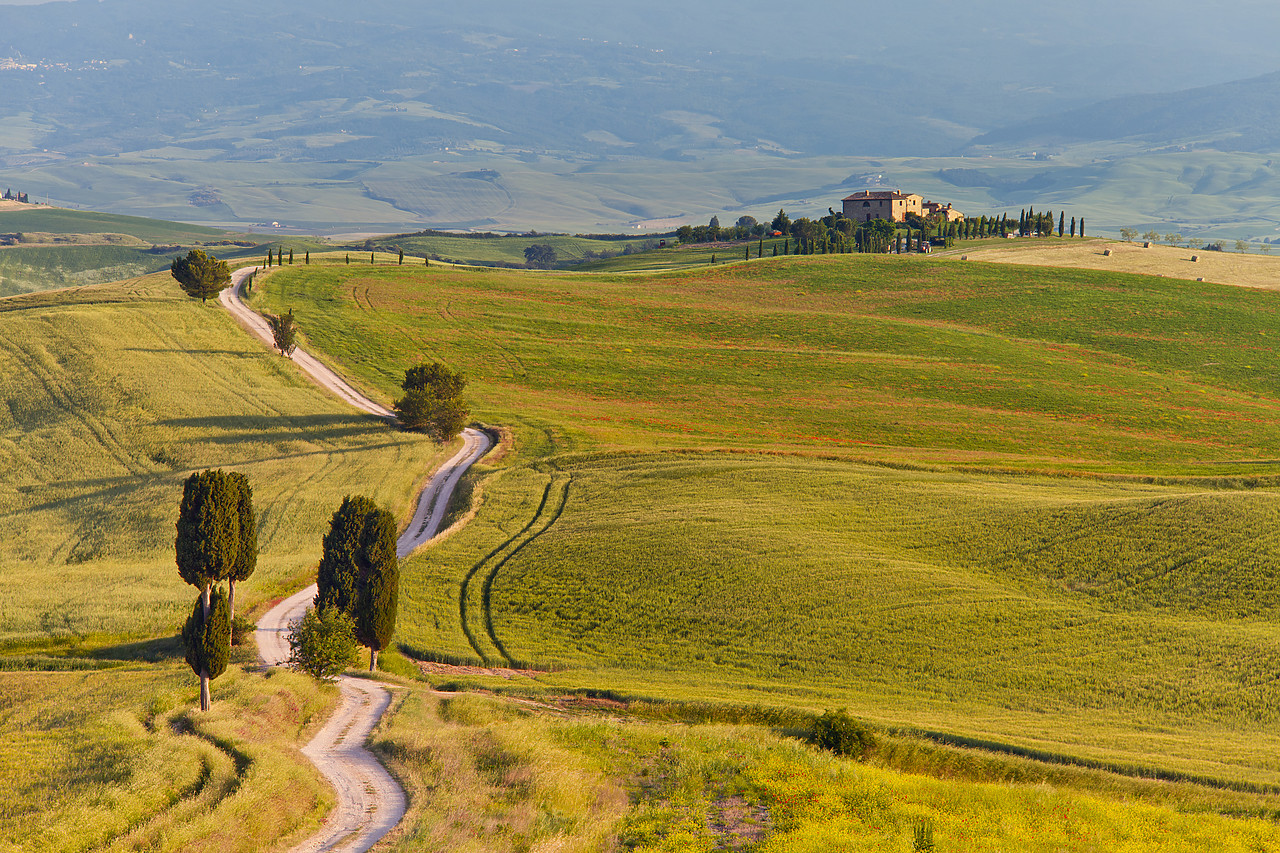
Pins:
x: 310, y: 365
x: 370, y: 803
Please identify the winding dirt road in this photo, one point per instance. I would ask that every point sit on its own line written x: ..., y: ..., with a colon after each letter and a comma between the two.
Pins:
x: 370, y: 802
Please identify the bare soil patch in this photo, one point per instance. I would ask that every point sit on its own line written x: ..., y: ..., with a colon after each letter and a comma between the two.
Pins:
x: 432, y: 668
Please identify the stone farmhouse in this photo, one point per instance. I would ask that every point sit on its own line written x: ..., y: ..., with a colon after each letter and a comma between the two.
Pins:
x: 866, y: 205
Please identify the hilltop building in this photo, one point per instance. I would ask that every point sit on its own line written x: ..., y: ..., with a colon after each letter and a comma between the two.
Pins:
x: 10, y: 195
x: 945, y: 211
x: 866, y: 205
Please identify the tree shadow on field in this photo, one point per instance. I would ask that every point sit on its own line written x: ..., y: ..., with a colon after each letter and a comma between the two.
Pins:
x: 240, y: 353
x: 143, y: 651
x: 229, y: 429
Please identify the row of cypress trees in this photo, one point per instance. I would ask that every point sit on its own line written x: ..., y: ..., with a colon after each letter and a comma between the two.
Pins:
x: 359, y: 573
x: 217, y: 541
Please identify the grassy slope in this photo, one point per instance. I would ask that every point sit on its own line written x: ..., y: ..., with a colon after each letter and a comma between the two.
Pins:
x: 27, y: 269
x: 112, y: 395
x: 63, y: 221
x: 938, y: 592
x: 495, y: 776
x: 893, y: 359
x: 504, y: 250
x: 114, y: 760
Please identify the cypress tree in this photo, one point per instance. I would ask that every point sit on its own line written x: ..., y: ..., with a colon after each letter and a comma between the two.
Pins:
x: 401, y: 260
x: 306, y: 258
x: 208, y: 530
x: 1062, y: 222
x: 246, y: 558
x: 207, y: 546
x: 290, y: 255
x: 747, y: 256
x: 1082, y: 227
x: 378, y: 595
x: 775, y: 250
x: 371, y: 257
x: 760, y: 249
x: 338, y: 575
x: 713, y: 257
x: 1073, y: 226
x: 206, y: 638
x: 348, y: 257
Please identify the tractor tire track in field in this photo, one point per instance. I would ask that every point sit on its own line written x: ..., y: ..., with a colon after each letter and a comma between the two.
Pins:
x: 370, y: 802
x: 519, y: 540
x: 497, y: 567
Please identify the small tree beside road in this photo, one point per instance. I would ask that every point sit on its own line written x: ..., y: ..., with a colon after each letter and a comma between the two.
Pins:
x: 432, y: 402
x: 323, y: 644
x: 199, y: 275
x: 285, y: 332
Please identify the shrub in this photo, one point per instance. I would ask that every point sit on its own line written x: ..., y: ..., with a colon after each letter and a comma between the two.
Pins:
x: 241, y: 629
x: 840, y: 733
x: 323, y: 644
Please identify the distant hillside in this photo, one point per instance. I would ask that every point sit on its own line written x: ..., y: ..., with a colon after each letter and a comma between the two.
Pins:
x: 1238, y: 116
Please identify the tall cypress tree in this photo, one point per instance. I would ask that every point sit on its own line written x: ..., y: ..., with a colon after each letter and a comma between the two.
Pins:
x: 1082, y: 227
x: 1062, y: 222
x: 1073, y: 226
x: 378, y: 594
x: 207, y: 546
x: 246, y: 560
x: 339, y: 572
x: 206, y: 638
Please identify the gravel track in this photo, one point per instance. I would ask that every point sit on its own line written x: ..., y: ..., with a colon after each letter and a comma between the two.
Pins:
x: 370, y: 802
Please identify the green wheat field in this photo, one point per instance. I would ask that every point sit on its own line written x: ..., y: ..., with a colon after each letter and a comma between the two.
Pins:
x: 1017, y: 521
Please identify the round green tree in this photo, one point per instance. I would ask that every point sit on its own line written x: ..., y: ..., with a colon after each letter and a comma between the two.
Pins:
x: 433, y: 401
x: 323, y: 644
x: 199, y: 275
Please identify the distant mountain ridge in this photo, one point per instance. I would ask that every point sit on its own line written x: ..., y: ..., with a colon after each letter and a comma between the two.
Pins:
x: 1236, y: 116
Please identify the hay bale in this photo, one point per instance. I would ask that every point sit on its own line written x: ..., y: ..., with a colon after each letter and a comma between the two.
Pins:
x: 964, y: 257
x: 1195, y: 258
x: 1147, y: 244
x: 1106, y: 253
